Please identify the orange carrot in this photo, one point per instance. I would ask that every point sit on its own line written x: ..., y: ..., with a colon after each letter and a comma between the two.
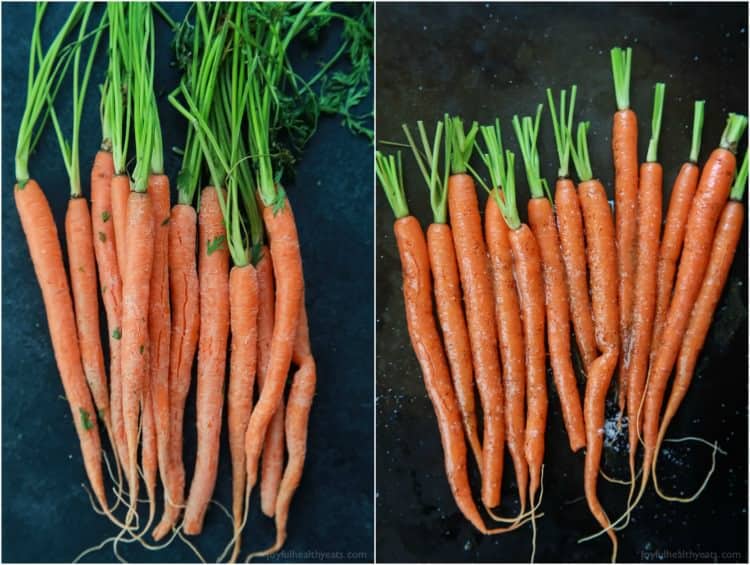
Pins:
x: 120, y: 188
x: 183, y: 282
x: 625, y: 157
x: 602, y: 263
x: 674, y: 226
x: 570, y: 227
x: 726, y: 238
x: 463, y: 210
x: 213, y: 274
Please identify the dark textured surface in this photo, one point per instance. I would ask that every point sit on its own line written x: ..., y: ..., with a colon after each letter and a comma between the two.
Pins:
x: 487, y: 60
x: 46, y: 514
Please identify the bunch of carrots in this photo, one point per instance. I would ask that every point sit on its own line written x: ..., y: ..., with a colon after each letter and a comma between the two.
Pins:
x: 163, y: 269
x: 638, y: 297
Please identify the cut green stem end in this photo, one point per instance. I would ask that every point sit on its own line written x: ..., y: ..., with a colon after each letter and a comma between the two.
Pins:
x: 461, y: 143
x: 740, y: 181
x: 580, y: 153
x: 494, y: 159
x: 527, y: 132
x: 736, y: 124
x: 428, y: 161
x: 621, y: 62
x: 698, y: 114
x: 390, y: 174
x: 652, y: 155
x: 562, y: 127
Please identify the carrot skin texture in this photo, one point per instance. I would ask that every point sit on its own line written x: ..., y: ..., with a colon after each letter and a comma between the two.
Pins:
x: 510, y: 335
x: 625, y: 157
x: 185, y: 324
x: 120, y: 193
x: 542, y: 223
x: 46, y: 255
x: 671, y: 244
x: 724, y: 246
x: 602, y: 264
x: 572, y: 243
x: 455, y: 334
x: 83, y: 283
x: 644, y: 298
x: 428, y: 348
x: 272, y: 460
x: 463, y: 210
x: 213, y: 276
x: 527, y: 268
x: 243, y: 317
x: 710, y: 197
x: 110, y: 282
x: 287, y: 266
x: 135, y: 292
x: 159, y: 321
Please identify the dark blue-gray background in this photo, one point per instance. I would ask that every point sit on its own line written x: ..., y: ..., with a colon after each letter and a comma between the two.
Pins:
x: 46, y: 514
x: 487, y: 60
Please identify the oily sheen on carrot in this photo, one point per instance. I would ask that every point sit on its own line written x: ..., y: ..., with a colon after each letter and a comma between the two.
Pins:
x: 573, y: 245
x: 602, y: 264
x: 453, y: 324
x: 185, y: 323
x: 644, y: 299
x: 83, y: 283
x: 213, y: 277
x: 542, y: 223
x: 135, y: 291
x: 473, y: 267
x: 243, y: 318
x: 625, y: 157
x: 709, y: 200
x: 510, y: 335
x: 110, y: 282
x: 46, y: 255
x: 671, y: 243
x: 287, y: 268
x: 272, y: 461
x: 159, y: 323
x: 120, y: 189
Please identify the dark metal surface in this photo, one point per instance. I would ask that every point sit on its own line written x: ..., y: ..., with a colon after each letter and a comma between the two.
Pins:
x: 485, y: 60
x: 46, y: 516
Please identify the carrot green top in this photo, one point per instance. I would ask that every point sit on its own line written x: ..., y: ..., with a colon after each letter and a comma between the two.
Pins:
x: 507, y: 203
x: 695, y: 146
x: 562, y: 128
x: 736, y: 124
x: 391, y: 179
x: 527, y: 132
x: 580, y: 153
x: 436, y: 184
x: 740, y: 181
x: 501, y: 167
x: 70, y: 150
x: 653, y: 143
x: 117, y: 98
x: 461, y: 143
x: 140, y: 50
x: 621, y: 59
x: 43, y: 84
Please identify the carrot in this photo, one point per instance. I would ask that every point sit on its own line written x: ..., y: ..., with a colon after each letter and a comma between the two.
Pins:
x: 570, y: 228
x: 644, y: 299
x: 674, y: 225
x: 625, y: 157
x: 476, y: 283
x: 447, y: 284
x: 213, y: 277
x: 120, y: 193
x: 723, y: 248
x: 297, y: 414
x: 272, y: 462
x: 426, y: 341
x: 712, y: 193
x: 542, y: 223
x: 602, y: 263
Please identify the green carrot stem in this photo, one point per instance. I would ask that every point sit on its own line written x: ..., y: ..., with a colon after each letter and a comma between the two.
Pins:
x: 461, y: 142
x: 653, y: 143
x: 580, y: 153
x: 507, y: 203
x: 494, y: 158
x: 736, y: 124
x: 740, y: 181
x: 436, y: 184
x: 695, y: 146
x: 527, y: 132
x: 562, y: 127
x: 621, y: 60
x: 390, y: 174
